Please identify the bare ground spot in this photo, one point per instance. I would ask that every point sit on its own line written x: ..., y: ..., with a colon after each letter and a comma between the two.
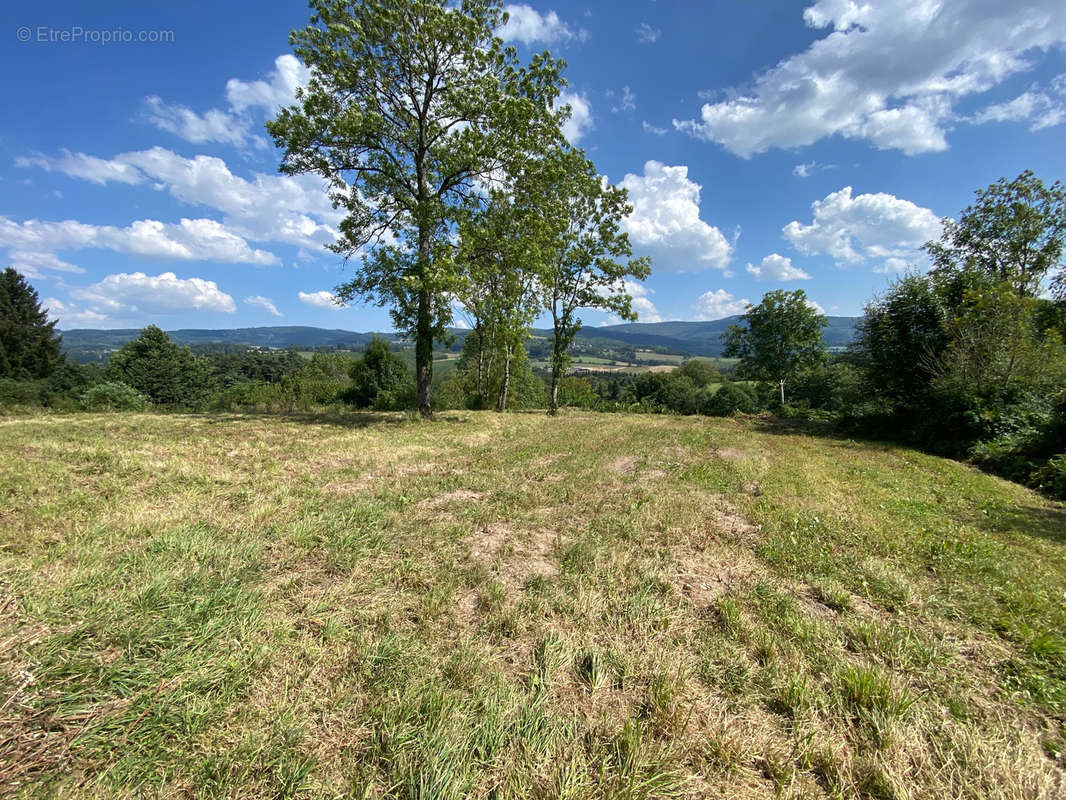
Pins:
x: 453, y: 498
x: 515, y: 556
x: 625, y: 465
x: 728, y: 453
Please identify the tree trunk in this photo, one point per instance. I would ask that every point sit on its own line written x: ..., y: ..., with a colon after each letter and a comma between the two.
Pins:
x: 480, y: 365
x: 424, y: 353
x: 782, y: 392
x: 501, y: 403
x: 557, y: 365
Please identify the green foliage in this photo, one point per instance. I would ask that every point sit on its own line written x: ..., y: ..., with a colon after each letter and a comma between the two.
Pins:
x: 114, y: 396
x: 1012, y: 234
x: 166, y: 373
x: 778, y: 338
x: 577, y: 392
x: 588, y: 258
x: 380, y: 379
x: 731, y: 398
x: 408, y: 166
x: 29, y: 345
x: 22, y: 393
x: 901, y: 338
x: 702, y: 372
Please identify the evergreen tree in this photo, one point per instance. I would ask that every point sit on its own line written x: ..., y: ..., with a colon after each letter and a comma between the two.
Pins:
x: 29, y: 345
x: 165, y: 372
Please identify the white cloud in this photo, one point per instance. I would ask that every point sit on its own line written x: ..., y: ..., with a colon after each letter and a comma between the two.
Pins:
x: 776, y: 267
x: 646, y: 34
x: 233, y: 126
x: 84, y: 167
x: 269, y: 208
x: 888, y: 72
x: 854, y: 230
x: 273, y: 94
x: 666, y: 224
x: 653, y: 129
x: 69, y: 315
x: 35, y: 264
x: 322, y: 299
x: 580, y: 121
x: 527, y: 25
x: 642, y: 304
x: 628, y: 102
x: 812, y: 304
x: 136, y: 294
x: 719, y: 304
x: 263, y: 302
x: 1041, y: 108
x: 212, y: 126
x: 188, y: 240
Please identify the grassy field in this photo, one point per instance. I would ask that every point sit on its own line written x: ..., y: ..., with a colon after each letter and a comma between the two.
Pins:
x: 591, y: 606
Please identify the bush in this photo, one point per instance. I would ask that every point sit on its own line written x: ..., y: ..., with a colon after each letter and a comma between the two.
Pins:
x: 380, y: 380
x: 1051, y: 478
x: 731, y: 398
x: 114, y: 396
x: 20, y: 393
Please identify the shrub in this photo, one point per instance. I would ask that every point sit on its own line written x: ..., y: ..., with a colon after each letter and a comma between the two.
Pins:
x: 114, y: 396
x: 16, y: 393
x: 731, y: 398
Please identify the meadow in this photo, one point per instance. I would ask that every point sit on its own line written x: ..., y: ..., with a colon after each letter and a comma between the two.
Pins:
x: 513, y: 606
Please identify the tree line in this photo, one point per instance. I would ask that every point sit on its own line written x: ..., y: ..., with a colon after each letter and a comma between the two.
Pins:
x: 966, y: 360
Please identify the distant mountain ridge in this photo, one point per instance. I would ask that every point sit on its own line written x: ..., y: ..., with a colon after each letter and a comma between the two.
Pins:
x: 691, y: 338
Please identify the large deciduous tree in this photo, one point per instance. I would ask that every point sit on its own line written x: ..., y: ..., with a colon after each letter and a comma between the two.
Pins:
x: 1014, y: 233
x: 410, y: 104
x: 587, y: 257
x: 779, y: 338
x: 29, y: 345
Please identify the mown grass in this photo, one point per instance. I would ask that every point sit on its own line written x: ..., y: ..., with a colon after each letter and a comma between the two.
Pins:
x: 483, y: 606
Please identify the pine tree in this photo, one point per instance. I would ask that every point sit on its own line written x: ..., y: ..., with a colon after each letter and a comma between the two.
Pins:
x: 29, y: 345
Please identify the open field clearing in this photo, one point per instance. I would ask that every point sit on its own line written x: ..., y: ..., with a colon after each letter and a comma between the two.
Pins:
x: 519, y: 607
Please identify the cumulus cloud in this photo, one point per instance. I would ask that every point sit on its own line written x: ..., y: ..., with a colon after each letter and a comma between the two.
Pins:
x: 776, y: 267
x: 268, y: 208
x: 234, y: 125
x: 527, y: 25
x: 646, y: 34
x: 69, y: 315
x: 580, y: 121
x: 868, y: 227
x: 642, y: 303
x: 719, y: 304
x: 211, y: 126
x: 136, y: 294
x: 263, y: 302
x: 322, y: 299
x: 654, y: 129
x: 666, y: 224
x: 188, y: 240
x: 889, y: 73
x: 278, y: 91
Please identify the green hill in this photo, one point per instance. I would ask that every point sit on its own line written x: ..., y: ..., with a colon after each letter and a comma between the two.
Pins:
x: 690, y: 338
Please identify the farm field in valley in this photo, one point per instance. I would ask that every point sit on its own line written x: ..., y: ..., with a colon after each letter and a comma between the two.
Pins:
x: 624, y: 606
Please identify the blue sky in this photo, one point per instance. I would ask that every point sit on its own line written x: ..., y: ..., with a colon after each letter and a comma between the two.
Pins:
x: 765, y: 145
